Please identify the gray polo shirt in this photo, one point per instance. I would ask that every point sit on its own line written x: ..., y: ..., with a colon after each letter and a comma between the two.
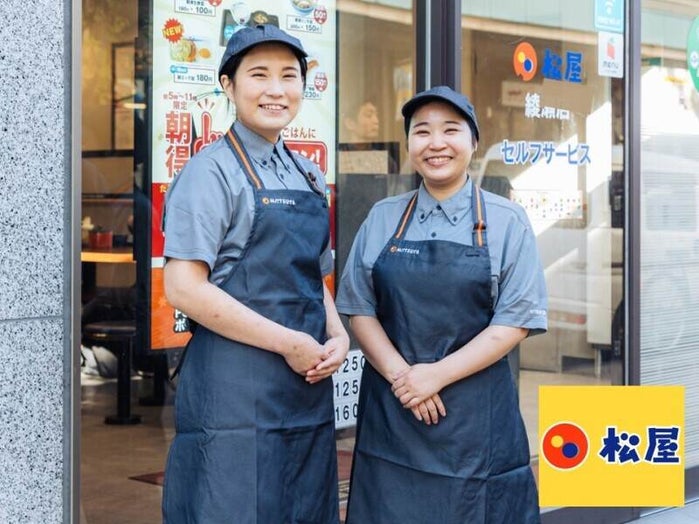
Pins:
x: 210, y: 205
x: 518, y: 285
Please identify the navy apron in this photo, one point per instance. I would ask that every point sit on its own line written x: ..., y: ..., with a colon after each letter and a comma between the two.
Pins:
x: 255, y: 443
x: 472, y: 467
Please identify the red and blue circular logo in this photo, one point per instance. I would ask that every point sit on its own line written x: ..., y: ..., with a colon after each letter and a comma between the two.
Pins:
x: 524, y: 61
x: 565, y: 445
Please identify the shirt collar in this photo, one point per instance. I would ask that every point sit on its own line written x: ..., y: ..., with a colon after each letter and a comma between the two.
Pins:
x: 281, y: 153
x: 453, y: 208
x: 257, y: 147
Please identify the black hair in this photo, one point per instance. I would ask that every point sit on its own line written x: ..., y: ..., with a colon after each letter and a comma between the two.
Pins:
x: 233, y: 63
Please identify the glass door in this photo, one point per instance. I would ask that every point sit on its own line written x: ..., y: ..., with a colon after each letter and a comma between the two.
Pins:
x: 375, y: 67
x: 150, y: 101
x: 547, y: 80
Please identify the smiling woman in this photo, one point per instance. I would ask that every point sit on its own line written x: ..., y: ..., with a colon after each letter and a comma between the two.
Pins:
x: 436, y: 310
x: 254, y: 419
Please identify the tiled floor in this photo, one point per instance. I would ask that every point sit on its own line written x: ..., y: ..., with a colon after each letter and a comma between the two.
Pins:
x: 112, y: 454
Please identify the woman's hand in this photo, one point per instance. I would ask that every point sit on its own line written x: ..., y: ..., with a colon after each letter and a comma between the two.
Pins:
x: 303, y: 353
x: 427, y: 411
x: 430, y: 410
x: 416, y: 385
x: 336, y: 349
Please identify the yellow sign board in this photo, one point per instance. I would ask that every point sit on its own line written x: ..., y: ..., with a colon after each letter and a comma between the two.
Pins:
x: 611, y: 446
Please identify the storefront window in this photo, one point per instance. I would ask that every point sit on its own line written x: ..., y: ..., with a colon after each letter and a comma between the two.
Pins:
x: 108, y: 160
x: 375, y: 73
x: 375, y: 77
x: 546, y: 78
x: 124, y: 434
x: 150, y: 101
x: 548, y: 91
x: 669, y: 198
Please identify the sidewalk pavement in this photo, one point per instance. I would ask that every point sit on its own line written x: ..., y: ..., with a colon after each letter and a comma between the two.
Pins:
x: 688, y: 514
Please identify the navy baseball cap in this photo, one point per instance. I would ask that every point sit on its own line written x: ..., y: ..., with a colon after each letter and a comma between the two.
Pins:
x: 442, y: 94
x: 249, y: 37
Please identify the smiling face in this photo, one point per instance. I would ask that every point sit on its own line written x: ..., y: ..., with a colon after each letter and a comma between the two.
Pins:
x: 267, y: 89
x: 440, y: 146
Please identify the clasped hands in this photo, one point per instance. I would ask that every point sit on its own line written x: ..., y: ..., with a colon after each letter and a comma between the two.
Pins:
x: 417, y: 388
x: 316, y: 361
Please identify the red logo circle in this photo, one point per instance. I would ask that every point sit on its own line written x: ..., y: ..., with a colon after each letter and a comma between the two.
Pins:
x: 524, y: 61
x: 320, y: 14
x: 320, y: 82
x: 565, y: 445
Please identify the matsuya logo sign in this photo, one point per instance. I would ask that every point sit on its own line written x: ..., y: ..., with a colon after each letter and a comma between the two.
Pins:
x: 553, y: 66
x: 611, y: 445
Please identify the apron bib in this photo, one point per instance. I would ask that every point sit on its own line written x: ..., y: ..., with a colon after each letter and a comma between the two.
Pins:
x: 473, y: 466
x: 255, y: 443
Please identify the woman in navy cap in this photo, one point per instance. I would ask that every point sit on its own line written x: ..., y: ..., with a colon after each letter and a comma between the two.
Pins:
x: 441, y: 283
x: 246, y: 243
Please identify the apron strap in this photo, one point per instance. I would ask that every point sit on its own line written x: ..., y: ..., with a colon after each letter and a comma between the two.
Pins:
x: 243, y: 158
x: 406, y: 218
x: 480, y: 238
x: 478, y: 215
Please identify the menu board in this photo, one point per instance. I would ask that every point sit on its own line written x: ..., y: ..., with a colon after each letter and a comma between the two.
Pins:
x: 190, y: 110
x: 346, y: 382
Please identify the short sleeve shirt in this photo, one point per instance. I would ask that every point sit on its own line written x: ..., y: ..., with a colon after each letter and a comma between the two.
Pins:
x: 518, y: 286
x: 210, y: 205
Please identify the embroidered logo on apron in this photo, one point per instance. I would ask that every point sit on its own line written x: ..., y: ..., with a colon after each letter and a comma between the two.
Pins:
x: 404, y: 250
x: 279, y: 201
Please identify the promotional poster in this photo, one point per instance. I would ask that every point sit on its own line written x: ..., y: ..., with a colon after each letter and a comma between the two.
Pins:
x: 190, y: 110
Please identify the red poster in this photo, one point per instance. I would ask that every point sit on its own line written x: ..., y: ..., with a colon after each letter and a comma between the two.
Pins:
x: 157, y: 238
x: 168, y: 326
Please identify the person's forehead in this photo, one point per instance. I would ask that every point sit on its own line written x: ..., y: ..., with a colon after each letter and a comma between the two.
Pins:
x: 437, y: 109
x: 270, y: 50
x: 367, y: 107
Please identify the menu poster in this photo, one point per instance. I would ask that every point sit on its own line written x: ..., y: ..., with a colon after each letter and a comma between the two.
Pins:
x: 190, y: 110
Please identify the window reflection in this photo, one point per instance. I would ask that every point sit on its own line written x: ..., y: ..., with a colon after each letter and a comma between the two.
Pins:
x: 375, y: 78
x: 669, y: 223
x: 551, y: 141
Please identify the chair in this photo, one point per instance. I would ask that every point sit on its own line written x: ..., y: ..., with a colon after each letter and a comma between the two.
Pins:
x: 118, y: 336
